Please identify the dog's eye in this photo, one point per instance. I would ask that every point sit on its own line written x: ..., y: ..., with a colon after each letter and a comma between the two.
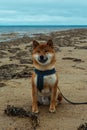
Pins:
x: 38, y: 51
x: 46, y: 50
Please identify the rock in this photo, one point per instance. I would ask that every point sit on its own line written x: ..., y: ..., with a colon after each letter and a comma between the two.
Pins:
x: 25, y: 73
x: 77, y: 60
x: 29, y: 48
x: 62, y: 42
x: 80, y: 47
x: 4, y: 46
x: 14, y: 50
x: 77, y: 67
x: 7, y: 71
x: 21, y: 54
x: 56, y: 48
x: 15, y: 42
x: 3, y: 54
x: 26, y: 61
x: 41, y: 36
x: 74, y: 59
x: 2, y: 85
x: 12, y: 71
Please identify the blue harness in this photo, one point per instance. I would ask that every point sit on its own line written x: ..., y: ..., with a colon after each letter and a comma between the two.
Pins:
x: 40, y: 77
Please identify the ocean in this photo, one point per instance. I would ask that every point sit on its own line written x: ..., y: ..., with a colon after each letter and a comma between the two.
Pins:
x: 36, y: 29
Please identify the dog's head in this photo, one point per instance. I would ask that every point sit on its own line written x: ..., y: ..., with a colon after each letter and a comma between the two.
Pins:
x: 43, y: 54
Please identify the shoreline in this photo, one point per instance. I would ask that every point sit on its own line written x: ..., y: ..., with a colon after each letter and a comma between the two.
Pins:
x: 12, y: 36
x: 31, y: 30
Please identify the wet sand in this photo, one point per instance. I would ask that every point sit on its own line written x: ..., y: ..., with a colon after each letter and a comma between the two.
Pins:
x: 15, y: 80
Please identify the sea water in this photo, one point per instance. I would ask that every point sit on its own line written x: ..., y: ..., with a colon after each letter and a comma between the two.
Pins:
x: 37, y: 29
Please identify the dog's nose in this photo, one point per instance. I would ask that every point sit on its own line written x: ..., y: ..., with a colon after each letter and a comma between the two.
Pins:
x: 41, y: 57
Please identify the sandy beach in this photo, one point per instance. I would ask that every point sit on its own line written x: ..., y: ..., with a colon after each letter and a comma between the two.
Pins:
x: 15, y: 79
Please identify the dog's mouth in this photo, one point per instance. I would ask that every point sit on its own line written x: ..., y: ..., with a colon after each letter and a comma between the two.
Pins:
x: 42, y: 59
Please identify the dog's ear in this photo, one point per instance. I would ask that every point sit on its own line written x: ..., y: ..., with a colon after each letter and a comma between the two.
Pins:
x: 50, y: 43
x: 35, y: 44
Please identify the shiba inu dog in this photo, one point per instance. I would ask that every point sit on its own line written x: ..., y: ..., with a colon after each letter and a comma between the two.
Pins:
x: 44, y: 78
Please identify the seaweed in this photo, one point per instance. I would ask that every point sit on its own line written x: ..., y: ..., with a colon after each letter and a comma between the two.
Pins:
x: 20, y: 112
x: 83, y: 127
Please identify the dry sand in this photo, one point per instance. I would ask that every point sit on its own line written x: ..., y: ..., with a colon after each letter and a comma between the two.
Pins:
x: 71, y: 55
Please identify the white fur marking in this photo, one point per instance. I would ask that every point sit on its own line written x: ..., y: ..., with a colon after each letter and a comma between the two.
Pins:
x: 36, y: 57
x: 49, y: 56
x: 51, y: 79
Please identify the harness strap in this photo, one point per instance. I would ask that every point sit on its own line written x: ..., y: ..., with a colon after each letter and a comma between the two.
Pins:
x: 40, y: 77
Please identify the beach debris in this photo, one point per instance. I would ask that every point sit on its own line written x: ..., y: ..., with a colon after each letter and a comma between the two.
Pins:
x: 16, y: 40
x: 74, y: 59
x: 63, y: 41
x: 80, y: 47
x: 26, y: 61
x: 7, y: 71
x: 23, y: 74
x: 78, y: 67
x: 22, y: 54
x: 3, y: 54
x: 14, y: 50
x: 82, y: 127
x: 41, y: 37
x: 14, y: 71
x: 20, y: 112
x: 2, y: 85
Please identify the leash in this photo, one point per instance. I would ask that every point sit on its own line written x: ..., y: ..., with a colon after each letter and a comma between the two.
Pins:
x: 71, y: 102
x: 40, y: 82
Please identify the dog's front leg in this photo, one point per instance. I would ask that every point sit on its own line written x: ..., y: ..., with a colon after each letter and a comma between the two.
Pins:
x: 53, y: 99
x: 34, y: 98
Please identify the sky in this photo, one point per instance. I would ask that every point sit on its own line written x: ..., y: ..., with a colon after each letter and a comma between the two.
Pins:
x: 43, y: 12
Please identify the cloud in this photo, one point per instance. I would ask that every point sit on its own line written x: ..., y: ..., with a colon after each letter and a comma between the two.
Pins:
x: 43, y: 12
x: 44, y: 19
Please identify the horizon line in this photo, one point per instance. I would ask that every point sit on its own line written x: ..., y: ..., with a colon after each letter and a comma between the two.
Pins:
x: 46, y: 25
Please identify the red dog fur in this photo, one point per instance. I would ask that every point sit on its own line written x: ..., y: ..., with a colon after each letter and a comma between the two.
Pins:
x: 50, y: 82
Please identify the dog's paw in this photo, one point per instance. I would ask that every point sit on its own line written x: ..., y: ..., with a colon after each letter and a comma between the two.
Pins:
x: 35, y: 110
x: 52, y: 109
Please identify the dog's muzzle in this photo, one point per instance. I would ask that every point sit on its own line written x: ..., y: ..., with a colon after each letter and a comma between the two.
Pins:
x: 42, y: 59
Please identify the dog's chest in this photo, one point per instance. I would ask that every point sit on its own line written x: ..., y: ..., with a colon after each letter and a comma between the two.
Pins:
x: 50, y: 80
x: 45, y: 93
x: 47, y: 80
